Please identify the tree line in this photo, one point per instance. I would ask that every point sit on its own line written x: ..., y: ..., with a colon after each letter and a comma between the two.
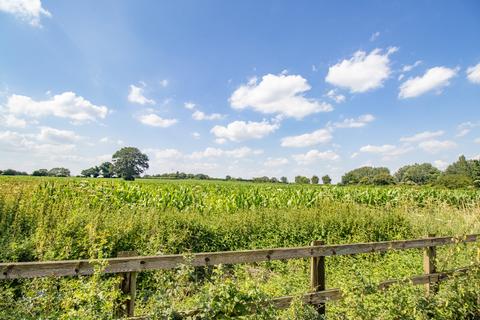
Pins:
x: 129, y: 163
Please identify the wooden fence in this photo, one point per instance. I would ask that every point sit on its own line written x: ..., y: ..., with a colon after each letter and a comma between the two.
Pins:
x: 128, y: 265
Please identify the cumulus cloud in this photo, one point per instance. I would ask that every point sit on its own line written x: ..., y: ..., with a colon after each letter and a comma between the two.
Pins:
x: 154, y: 120
x: 241, y: 130
x: 275, y: 162
x: 410, y: 67
x: 10, y: 121
x: 435, y: 78
x: 388, y: 151
x: 189, y: 105
x: 136, y: 95
x: 307, y: 139
x: 473, y: 74
x: 362, y: 72
x: 426, y: 135
x: 359, y: 122
x: 338, y: 98
x: 435, y: 146
x: 278, y: 94
x: 30, y: 11
x: 111, y: 141
x: 199, y: 115
x: 52, y: 135
x: 65, y: 105
x: 233, y: 153
x: 440, y: 164
x: 315, y: 155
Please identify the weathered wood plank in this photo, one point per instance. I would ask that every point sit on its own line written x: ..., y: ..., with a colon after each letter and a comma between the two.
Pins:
x: 17, y: 270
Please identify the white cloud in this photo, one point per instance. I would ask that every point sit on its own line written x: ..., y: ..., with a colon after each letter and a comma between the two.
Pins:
x: 308, y: 139
x: 10, y: 121
x: 156, y: 121
x: 111, y: 141
x: 196, y: 135
x: 435, y: 146
x: 477, y: 140
x: 378, y: 149
x: 136, y: 95
x: 66, y: 105
x: 473, y: 74
x: 465, y: 128
x: 189, y: 105
x: 164, y: 153
x: 241, y: 130
x: 410, y: 67
x: 278, y: 94
x: 338, y: 98
x: 275, y: 162
x: 426, y: 135
x: 233, y: 153
x: 359, y: 122
x: 199, y: 115
x: 315, y: 155
x: 164, y: 83
x: 56, y: 136
x: 435, y: 78
x: 374, y: 36
x: 440, y: 164
x: 27, y: 10
x: 362, y: 72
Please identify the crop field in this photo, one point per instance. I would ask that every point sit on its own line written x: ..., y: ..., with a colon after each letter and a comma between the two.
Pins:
x: 71, y: 218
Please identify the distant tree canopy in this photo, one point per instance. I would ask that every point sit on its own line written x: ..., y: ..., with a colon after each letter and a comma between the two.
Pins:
x: 93, y: 172
x: 454, y: 180
x: 129, y: 162
x: 368, y: 176
x: 302, y: 180
x: 469, y: 168
x: 106, y: 169
x: 420, y: 174
x: 315, y: 180
x: 40, y: 173
x: 59, y: 172
x: 326, y: 179
x: 284, y: 180
x: 11, y: 172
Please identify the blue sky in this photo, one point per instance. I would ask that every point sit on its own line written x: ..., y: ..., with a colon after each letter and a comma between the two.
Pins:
x: 245, y: 88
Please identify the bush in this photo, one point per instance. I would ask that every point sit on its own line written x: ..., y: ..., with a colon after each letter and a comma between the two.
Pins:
x: 454, y: 181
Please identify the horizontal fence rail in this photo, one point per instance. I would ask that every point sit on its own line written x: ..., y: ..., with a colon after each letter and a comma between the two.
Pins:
x: 17, y: 270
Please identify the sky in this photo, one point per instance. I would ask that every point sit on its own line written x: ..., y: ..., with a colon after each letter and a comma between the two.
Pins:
x: 241, y: 88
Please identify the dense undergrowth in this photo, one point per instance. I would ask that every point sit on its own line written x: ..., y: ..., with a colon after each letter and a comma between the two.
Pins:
x: 57, y: 219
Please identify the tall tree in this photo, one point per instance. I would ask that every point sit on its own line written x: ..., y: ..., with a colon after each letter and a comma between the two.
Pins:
x: 129, y: 162
x: 368, y: 175
x: 315, y: 179
x: 59, y: 172
x: 326, y: 179
x: 417, y: 173
x: 106, y: 169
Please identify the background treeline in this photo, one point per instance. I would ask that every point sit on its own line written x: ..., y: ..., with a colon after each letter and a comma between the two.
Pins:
x: 460, y: 174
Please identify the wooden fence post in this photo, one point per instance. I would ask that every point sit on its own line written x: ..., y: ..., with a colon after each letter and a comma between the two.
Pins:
x: 317, y: 279
x: 429, y: 257
x: 128, y: 287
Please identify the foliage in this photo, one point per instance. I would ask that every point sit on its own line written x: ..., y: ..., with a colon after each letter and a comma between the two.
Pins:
x: 54, y: 219
x: 302, y: 180
x: 368, y: 176
x: 59, y: 172
x: 40, y: 173
x: 315, y: 180
x: 11, y: 172
x: 416, y: 173
x: 106, y: 169
x: 129, y: 163
x: 462, y: 166
x: 91, y: 172
x: 326, y: 179
x: 454, y: 181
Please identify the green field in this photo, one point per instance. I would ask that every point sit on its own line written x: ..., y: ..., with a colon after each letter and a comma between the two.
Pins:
x: 70, y: 218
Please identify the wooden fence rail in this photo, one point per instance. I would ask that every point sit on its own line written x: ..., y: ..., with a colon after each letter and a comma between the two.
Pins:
x: 128, y: 266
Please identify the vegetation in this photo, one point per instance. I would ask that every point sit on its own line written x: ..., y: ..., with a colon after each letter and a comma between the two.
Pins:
x: 129, y: 163
x: 56, y: 219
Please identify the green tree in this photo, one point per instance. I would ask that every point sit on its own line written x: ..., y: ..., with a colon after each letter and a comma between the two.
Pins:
x: 129, y: 162
x: 59, y: 172
x: 367, y: 176
x: 91, y: 172
x: 417, y: 173
x: 315, y: 180
x: 284, y: 179
x: 40, y: 173
x: 302, y: 180
x: 454, y: 181
x: 326, y: 179
x: 106, y: 169
x: 462, y: 166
